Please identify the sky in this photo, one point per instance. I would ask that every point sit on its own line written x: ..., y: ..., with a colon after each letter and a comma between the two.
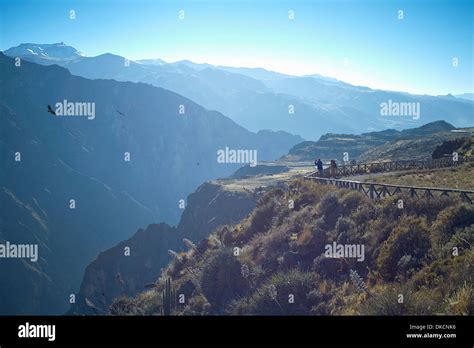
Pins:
x: 361, y: 42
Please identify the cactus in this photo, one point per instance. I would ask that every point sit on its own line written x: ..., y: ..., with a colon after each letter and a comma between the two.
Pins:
x: 169, y: 298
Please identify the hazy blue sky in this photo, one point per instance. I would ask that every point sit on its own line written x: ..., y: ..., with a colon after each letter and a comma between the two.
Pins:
x: 413, y: 54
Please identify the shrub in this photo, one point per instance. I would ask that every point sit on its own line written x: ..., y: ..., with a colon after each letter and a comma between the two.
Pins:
x: 330, y: 209
x: 227, y: 236
x: 352, y: 201
x: 410, y: 239
x: 387, y: 301
x: 346, y: 299
x: 451, y: 218
x: 428, y: 208
x: 343, y: 230
x: 311, y: 242
x: 221, y: 279
x: 306, y: 193
x: 198, y: 305
x: 444, y: 274
x: 124, y: 306
x: 266, y: 248
x: 462, y: 239
x: 187, y: 288
x: 273, y: 297
x: 330, y: 268
x: 461, y: 302
x: 268, y: 210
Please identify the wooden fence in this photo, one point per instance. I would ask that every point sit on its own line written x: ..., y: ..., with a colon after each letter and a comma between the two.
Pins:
x: 378, y: 190
x: 392, y: 166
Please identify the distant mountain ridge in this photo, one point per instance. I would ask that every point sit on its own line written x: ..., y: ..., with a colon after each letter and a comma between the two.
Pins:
x: 387, y: 144
x: 259, y: 99
x: 467, y: 96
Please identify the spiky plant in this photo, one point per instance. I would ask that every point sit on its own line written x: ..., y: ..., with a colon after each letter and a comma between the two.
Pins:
x: 168, y: 298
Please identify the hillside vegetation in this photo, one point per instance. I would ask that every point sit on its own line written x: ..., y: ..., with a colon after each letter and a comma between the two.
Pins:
x: 420, y: 147
x: 389, y: 144
x: 457, y: 178
x: 418, y: 259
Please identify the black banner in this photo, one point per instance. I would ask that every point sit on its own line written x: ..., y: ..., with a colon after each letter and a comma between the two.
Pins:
x: 134, y: 331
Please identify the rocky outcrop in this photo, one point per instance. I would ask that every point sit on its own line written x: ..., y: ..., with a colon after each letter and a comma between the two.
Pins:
x: 211, y: 206
x: 463, y: 146
x: 113, y: 274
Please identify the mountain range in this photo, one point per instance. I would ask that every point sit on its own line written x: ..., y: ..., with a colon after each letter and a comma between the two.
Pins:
x: 259, y: 99
x: 76, y: 186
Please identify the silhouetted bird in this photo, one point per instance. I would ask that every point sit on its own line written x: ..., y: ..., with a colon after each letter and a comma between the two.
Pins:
x: 50, y: 110
x: 121, y: 113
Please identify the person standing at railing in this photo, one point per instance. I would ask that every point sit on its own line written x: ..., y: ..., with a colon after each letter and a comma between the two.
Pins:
x: 319, y: 167
x: 333, y: 169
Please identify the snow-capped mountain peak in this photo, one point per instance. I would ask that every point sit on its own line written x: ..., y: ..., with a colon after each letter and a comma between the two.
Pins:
x: 56, y: 51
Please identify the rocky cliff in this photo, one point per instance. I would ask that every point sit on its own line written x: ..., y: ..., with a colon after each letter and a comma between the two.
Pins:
x: 113, y: 273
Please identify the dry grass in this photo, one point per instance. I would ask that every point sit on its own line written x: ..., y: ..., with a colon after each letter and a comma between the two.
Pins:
x: 461, y: 177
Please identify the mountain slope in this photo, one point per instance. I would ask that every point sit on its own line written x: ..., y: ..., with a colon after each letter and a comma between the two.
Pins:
x: 286, y: 263
x: 35, y: 199
x: 467, y: 96
x: 414, y: 143
x: 85, y: 159
x: 113, y: 275
x: 413, y: 147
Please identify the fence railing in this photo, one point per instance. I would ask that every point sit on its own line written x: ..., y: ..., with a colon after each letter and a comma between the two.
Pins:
x: 392, y: 166
x: 378, y: 190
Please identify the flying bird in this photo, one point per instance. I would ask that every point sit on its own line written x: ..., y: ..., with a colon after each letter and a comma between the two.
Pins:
x: 50, y: 110
x: 121, y: 113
